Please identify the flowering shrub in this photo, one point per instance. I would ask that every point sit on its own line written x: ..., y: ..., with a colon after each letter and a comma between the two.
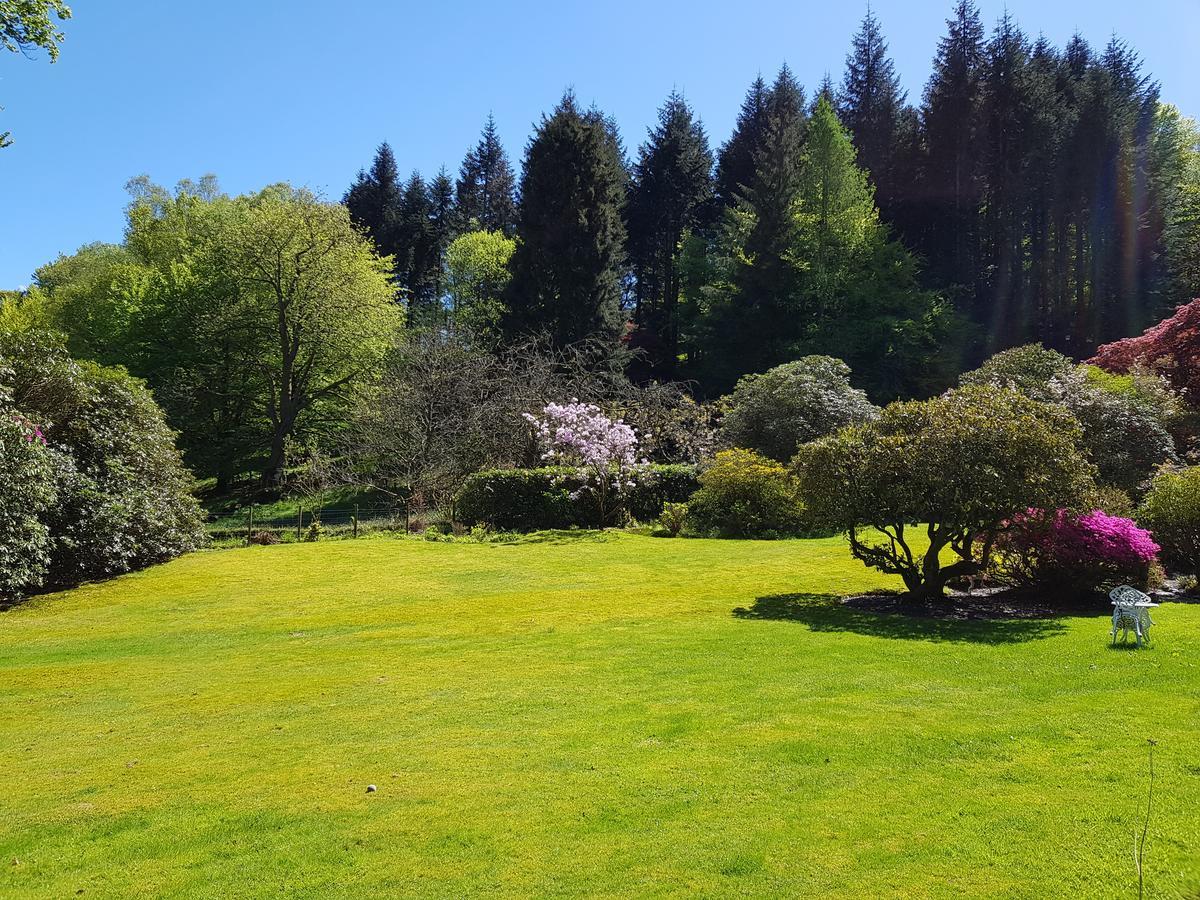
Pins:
x: 1172, y: 511
x: 777, y: 411
x: 745, y: 495
x: 1170, y: 348
x: 26, y: 492
x: 1076, y: 553
x: 602, y: 451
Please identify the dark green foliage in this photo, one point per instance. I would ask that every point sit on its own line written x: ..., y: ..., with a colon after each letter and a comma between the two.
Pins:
x: 484, y: 195
x: 123, y: 496
x: 736, y: 162
x: 745, y: 495
x: 670, y: 194
x: 777, y: 411
x: 870, y: 104
x: 536, y: 499
x: 1171, y: 510
x: 374, y: 202
x: 27, y: 492
x: 956, y: 468
x: 568, y: 266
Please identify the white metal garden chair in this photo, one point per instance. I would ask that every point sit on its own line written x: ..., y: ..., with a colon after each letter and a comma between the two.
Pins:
x: 1131, y: 609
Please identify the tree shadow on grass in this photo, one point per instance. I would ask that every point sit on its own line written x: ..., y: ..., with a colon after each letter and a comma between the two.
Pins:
x: 830, y: 613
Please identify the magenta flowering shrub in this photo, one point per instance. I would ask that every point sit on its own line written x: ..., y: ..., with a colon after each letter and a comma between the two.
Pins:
x: 1078, y: 553
x: 603, y: 452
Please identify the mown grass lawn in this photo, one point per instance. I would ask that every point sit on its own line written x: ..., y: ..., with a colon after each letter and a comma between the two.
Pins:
x: 622, y: 716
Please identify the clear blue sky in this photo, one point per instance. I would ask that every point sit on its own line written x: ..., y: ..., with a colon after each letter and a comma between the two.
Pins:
x: 263, y: 90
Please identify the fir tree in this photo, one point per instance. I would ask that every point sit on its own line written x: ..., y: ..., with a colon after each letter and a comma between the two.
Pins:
x: 870, y: 105
x: 374, y: 200
x: 484, y: 192
x: 735, y: 165
x: 670, y: 193
x: 568, y: 267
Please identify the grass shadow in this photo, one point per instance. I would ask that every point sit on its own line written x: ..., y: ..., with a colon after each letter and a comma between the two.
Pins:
x: 830, y: 613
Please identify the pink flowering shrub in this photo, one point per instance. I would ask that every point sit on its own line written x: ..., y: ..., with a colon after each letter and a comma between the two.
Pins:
x: 603, y: 452
x: 1075, y: 553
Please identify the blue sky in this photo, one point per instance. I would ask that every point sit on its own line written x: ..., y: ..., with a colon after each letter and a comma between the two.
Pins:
x: 263, y: 90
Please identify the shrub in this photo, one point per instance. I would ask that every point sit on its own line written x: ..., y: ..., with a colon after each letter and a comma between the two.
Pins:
x: 315, y: 530
x: 961, y: 464
x: 1126, y: 421
x: 1171, y: 348
x: 777, y: 411
x: 1075, y: 554
x: 537, y: 499
x: 264, y: 538
x: 1171, y: 510
x: 124, y: 498
x: 673, y: 517
x: 26, y: 493
x: 746, y: 495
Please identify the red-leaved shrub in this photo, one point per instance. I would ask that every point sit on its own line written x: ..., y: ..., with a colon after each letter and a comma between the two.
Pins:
x: 1170, y: 348
x: 1077, y: 554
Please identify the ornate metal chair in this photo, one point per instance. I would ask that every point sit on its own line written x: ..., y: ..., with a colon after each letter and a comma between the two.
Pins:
x: 1131, y: 609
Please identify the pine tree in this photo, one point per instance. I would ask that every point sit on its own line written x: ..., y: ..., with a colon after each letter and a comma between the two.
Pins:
x: 484, y: 192
x: 735, y: 165
x: 374, y: 200
x: 569, y: 265
x: 870, y: 104
x: 669, y: 194
x: 441, y: 232
x: 414, y: 249
x: 951, y: 126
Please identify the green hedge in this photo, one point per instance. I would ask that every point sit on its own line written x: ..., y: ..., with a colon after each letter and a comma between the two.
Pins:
x: 534, y: 499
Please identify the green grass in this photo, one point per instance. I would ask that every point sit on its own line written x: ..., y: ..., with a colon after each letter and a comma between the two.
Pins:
x: 579, y: 715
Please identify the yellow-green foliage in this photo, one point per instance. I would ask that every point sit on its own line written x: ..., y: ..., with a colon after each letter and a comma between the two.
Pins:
x: 573, y: 716
x: 745, y: 494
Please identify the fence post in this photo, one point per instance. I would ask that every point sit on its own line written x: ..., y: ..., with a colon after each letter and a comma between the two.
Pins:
x: 250, y: 524
x: 356, y: 520
x: 299, y: 522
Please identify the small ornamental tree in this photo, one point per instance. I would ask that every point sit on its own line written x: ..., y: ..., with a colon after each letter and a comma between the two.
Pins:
x: 958, y: 467
x: 602, y: 451
x: 789, y: 405
x: 1170, y: 348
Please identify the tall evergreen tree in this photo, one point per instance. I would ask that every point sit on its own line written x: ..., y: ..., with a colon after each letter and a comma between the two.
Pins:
x: 484, y: 193
x: 870, y: 105
x: 670, y: 193
x: 735, y: 164
x: 951, y: 127
x: 374, y: 200
x: 415, y: 250
x: 568, y: 268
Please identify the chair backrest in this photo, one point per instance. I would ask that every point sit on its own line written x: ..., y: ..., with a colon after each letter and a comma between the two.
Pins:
x: 1125, y: 595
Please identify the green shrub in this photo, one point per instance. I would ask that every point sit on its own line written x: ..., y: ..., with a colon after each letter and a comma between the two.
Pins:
x: 26, y: 493
x: 538, y: 499
x: 673, y: 518
x: 746, y: 495
x: 789, y: 405
x: 1171, y: 510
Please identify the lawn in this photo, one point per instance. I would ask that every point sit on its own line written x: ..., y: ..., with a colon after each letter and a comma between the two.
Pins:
x: 579, y: 715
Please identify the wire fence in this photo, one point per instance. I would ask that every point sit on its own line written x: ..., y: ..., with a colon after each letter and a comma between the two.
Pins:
x: 256, y: 525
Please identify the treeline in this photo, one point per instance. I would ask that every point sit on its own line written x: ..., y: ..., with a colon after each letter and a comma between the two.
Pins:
x: 1033, y: 194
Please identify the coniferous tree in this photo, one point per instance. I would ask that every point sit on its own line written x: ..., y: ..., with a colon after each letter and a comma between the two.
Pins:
x: 374, y: 200
x: 870, y: 105
x: 568, y: 268
x: 670, y: 194
x: 484, y: 193
x: 735, y: 163
x: 415, y: 250
x: 951, y: 129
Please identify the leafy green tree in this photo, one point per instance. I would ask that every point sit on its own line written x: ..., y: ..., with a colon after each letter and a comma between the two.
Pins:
x: 1175, y: 170
x: 957, y: 468
x: 478, y: 275
x: 568, y: 267
x: 27, y: 492
x: 319, y: 302
x: 484, y: 194
x: 669, y: 195
x: 27, y: 24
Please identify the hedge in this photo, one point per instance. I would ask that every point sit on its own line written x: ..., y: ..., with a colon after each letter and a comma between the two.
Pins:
x: 535, y: 499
